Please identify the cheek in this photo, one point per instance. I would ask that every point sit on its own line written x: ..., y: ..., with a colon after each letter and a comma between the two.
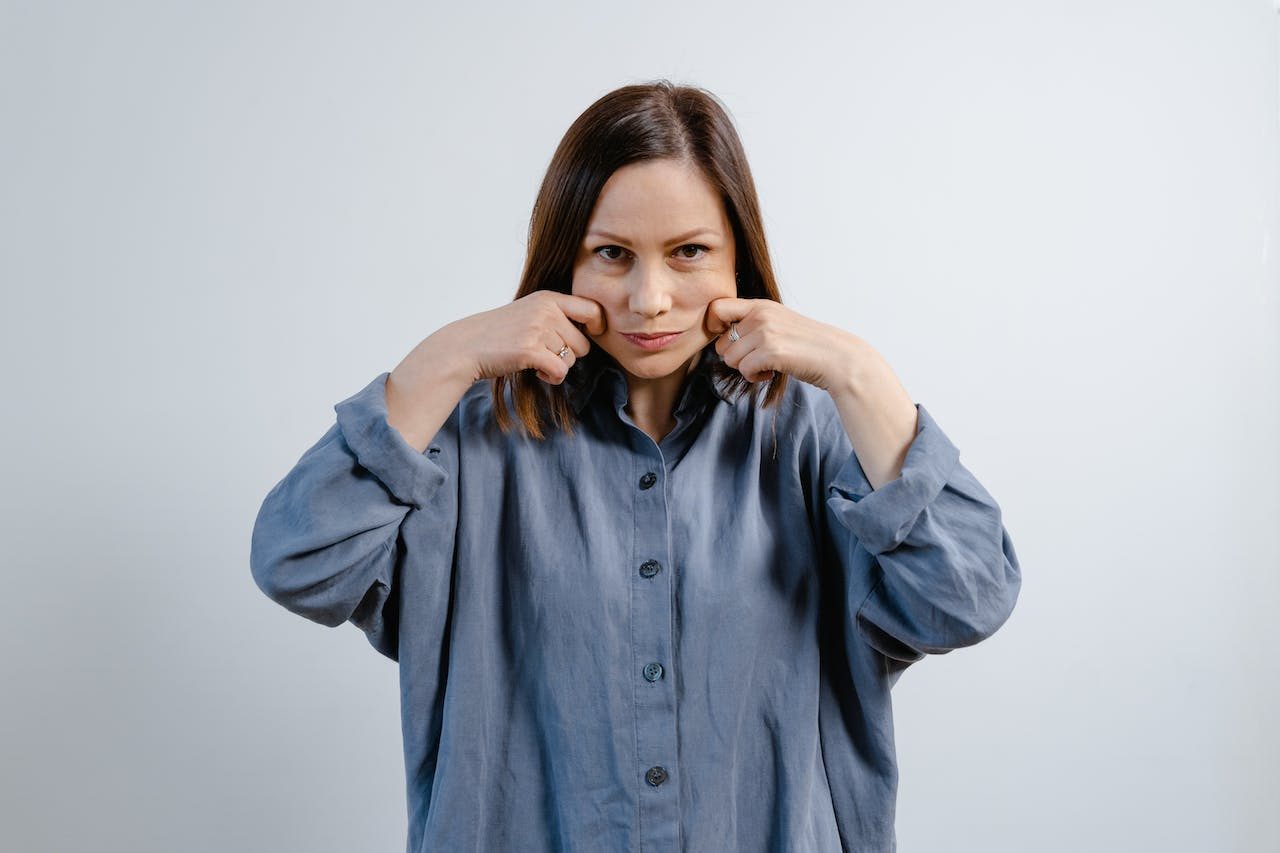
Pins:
x: 590, y: 287
x: 717, y: 282
x: 587, y: 285
x: 717, y: 288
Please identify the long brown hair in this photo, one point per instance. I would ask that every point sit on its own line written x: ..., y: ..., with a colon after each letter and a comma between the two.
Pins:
x: 642, y: 121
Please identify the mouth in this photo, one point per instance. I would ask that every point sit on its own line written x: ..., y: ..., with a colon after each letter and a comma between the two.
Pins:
x: 651, y: 341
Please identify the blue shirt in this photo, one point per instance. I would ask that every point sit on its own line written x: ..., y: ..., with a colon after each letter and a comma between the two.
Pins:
x: 611, y: 644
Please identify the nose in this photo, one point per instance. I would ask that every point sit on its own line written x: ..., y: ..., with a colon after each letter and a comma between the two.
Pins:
x: 650, y: 290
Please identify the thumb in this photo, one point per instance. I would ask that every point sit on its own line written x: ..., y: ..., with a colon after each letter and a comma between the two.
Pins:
x: 723, y: 311
x: 585, y: 311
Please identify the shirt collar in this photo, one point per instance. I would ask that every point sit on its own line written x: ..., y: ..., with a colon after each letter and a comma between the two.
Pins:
x: 586, y: 374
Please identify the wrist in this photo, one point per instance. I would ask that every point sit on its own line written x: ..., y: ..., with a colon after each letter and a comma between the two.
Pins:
x: 860, y: 364
x: 443, y: 355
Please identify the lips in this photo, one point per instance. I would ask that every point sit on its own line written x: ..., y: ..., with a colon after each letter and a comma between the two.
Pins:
x: 651, y: 340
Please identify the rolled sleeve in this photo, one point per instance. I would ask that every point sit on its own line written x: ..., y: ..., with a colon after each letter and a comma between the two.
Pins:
x: 881, y: 518
x: 411, y: 477
x: 942, y: 572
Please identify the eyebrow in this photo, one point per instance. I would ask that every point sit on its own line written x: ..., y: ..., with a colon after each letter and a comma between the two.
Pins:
x: 682, y: 238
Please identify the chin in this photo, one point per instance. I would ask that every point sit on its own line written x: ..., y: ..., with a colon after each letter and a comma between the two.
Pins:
x: 653, y: 365
x: 649, y: 368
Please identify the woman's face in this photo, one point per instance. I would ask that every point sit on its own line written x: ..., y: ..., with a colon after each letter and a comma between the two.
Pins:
x: 658, y: 249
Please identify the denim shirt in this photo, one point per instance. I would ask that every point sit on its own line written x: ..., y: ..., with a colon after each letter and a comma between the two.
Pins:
x: 608, y: 643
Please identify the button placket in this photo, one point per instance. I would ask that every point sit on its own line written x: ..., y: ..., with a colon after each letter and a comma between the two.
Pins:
x: 652, y: 642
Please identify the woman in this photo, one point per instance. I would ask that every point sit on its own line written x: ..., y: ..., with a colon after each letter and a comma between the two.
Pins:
x: 657, y: 624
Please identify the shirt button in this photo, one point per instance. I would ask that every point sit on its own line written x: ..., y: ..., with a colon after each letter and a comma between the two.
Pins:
x: 653, y: 671
x: 648, y: 479
x: 649, y: 568
x: 656, y: 775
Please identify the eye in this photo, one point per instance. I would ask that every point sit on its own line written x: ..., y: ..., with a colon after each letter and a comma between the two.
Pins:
x: 697, y: 246
x: 603, y: 248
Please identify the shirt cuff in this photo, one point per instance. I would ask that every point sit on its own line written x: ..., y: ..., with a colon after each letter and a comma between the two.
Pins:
x: 881, y: 518
x: 411, y: 477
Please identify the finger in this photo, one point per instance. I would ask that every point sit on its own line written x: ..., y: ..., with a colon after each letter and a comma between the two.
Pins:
x: 745, y: 339
x: 551, y: 368
x: 723, y: 311
x: 568, y: 359
x: 554, y: 343
x: 572, y: 337
x: 580, y: 309
x: 749, y: 367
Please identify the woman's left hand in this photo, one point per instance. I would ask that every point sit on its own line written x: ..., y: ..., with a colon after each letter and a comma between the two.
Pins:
x: 876, y: 410
x: 775, y: 338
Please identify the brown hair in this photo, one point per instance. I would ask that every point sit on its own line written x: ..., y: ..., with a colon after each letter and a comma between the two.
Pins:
x: 643, y: 121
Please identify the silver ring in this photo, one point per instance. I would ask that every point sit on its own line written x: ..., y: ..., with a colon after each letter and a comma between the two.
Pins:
x: 563, y: 352
x: 733, y: 331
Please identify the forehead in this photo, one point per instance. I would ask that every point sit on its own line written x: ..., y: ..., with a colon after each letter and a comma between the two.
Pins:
x: 659, y: 194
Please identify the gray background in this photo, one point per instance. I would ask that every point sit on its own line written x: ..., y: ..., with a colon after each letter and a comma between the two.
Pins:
x: 1058, y: 222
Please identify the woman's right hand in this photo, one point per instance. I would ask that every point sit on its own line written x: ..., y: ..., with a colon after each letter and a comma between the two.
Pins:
x: 525, y: 333
x: 530, y: 332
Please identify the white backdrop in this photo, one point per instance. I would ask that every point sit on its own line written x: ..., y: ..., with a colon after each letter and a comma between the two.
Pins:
x: 1058, y: 221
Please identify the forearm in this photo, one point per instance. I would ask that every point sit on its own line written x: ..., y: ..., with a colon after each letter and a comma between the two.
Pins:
x: 424, y: 388
x: 877, y: 412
